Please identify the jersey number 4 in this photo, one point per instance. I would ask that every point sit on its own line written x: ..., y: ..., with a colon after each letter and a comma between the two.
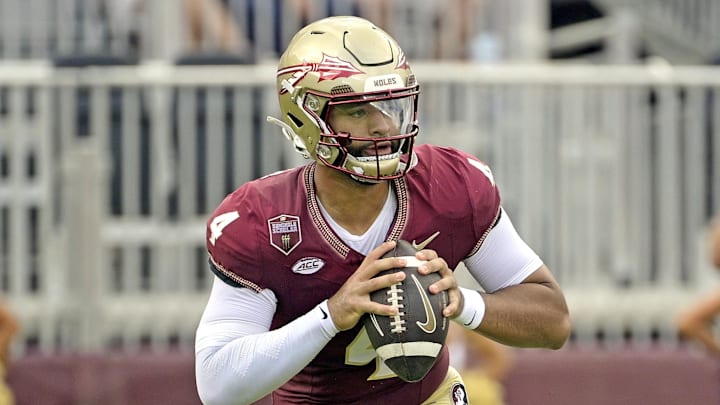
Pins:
x: 219, y: 223
x: 360, y: 352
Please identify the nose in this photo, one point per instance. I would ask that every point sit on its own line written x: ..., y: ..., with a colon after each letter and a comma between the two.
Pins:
x: 379, y: 124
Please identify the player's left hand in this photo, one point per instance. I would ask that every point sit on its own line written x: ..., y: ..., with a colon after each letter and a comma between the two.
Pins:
x: 448, y: 282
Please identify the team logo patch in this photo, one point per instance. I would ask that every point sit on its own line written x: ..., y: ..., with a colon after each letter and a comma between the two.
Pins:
x: 285, y: 233
x: 308, y: 265
x: 458, y: 395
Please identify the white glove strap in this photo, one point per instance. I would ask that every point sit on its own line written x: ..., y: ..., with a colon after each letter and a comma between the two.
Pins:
x: 473, y: 310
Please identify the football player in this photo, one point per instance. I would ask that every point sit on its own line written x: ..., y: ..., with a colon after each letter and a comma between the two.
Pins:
x: 295, y: 253
x: 8, y: 330
x: 697, y: 322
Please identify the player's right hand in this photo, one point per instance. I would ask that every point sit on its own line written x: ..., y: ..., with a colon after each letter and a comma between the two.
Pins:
x: 352, y: 300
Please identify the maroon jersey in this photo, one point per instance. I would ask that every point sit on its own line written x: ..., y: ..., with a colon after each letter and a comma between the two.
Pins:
x: 271, y: 234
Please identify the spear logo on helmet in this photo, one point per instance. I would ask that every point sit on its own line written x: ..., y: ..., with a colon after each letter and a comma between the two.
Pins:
x: 330, y: 68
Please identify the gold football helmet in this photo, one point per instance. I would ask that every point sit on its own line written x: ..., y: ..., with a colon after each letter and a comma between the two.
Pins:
x: 346, y: 62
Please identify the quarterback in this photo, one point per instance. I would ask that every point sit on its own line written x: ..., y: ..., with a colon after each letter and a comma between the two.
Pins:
x: 295, y: 253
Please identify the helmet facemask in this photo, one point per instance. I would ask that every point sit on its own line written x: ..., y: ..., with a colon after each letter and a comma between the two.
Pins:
x: 368, y: 136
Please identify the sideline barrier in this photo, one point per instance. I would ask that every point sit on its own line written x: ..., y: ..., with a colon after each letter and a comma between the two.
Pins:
x: 107, y: 176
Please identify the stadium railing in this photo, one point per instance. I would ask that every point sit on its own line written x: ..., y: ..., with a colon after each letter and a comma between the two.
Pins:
x: 107, y: 175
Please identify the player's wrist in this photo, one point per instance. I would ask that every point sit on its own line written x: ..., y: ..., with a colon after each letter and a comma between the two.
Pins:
x: 326, y: 321
x: 473, y: 311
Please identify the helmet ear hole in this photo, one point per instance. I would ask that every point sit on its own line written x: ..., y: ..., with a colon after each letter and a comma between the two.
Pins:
x: 343, y: 139
x: 298, y: 123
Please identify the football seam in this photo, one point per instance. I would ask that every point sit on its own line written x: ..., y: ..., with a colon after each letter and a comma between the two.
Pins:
x: 394, y: 294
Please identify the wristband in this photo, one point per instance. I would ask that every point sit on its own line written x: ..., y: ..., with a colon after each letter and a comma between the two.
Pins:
x: 473, y: 309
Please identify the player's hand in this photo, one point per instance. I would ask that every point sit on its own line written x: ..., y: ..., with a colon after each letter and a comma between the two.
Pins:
x: 352, y: 300
x: 448, y: 282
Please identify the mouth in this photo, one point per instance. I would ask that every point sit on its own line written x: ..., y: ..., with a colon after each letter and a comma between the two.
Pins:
x: 379, y: 149
x: 373, y: 158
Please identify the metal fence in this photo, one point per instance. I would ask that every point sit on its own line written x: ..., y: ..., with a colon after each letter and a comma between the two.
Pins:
x: 107, y: 176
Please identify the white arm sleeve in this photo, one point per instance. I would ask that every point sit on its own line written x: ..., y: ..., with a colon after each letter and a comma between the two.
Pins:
x: 237, y: 359
x: 504, y: 259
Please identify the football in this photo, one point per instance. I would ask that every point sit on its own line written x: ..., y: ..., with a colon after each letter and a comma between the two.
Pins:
x: 410, y: 341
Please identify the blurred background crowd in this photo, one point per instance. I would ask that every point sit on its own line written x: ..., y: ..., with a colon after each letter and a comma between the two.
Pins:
x: 598, y: 31
x: 123, y: 122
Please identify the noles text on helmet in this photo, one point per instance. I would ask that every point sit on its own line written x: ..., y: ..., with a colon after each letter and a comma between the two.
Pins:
x: 347, y: 67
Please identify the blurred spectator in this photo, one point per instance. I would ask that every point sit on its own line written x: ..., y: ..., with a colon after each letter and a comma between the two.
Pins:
x: 454, y: 24
x: 453, y: 29
x: 307, y: 10
x: 482, y: 362
x: 124, y: 22
x: 8, y: 330
x: 377, y: 11
x: 697, y: 322
x: 210, y: 21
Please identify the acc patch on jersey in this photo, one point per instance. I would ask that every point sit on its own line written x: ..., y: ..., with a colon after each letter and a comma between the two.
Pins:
x: 285, y: 233
x: 308, y: 265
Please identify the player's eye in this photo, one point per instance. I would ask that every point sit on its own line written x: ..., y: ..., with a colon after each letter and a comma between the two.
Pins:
x: 354, y: 110
x: 357, y: 112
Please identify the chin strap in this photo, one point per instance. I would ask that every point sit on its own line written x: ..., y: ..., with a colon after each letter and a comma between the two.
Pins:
x: 364, y: 180
x: 291, y: 136
x: 401, y: 167
x: 412, y: 162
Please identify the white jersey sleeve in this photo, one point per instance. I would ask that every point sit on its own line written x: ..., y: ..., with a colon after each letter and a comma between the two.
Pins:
x: 238, y: 359
x: 504, y: 259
